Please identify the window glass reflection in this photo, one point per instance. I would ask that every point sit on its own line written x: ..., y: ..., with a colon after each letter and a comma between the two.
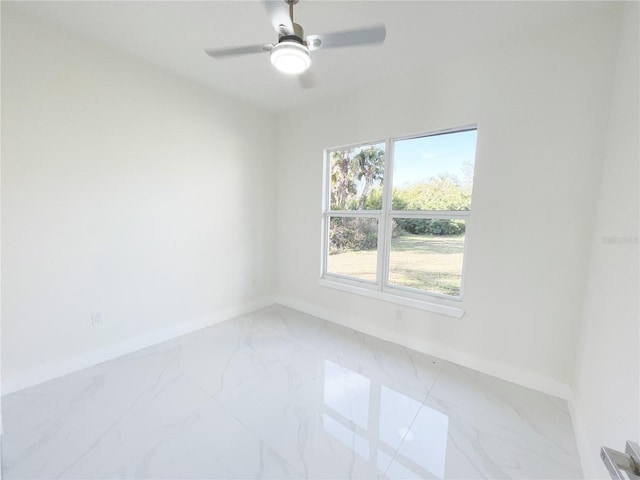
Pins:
x: 426, y: 443
x: 397, y: 412
x: 356, y: 443
x: 373, y: 421
x: 347, y: 392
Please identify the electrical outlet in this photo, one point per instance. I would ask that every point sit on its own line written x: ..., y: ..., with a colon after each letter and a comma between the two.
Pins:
x: 398, y: 314
x: 96, y: 319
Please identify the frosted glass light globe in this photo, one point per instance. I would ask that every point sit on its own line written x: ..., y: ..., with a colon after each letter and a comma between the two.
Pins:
x: 290, y: 57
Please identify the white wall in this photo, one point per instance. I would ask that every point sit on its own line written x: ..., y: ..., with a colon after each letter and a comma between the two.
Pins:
x: 607, y: 396
x: 131, y: 192
x: 541, y: 106
x: 1, y: 424
x: 126, y: 191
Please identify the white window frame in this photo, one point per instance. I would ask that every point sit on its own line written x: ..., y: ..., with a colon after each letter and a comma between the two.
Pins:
x: 381, y: 289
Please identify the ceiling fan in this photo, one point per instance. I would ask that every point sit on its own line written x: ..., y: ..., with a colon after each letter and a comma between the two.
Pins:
x: 291, y: 54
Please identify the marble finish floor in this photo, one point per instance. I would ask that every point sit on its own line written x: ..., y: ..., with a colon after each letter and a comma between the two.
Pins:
x: 281, y: 394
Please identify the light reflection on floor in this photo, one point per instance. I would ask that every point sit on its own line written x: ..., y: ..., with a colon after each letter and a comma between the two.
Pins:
x: 351, y: 399
x: 280, y: 394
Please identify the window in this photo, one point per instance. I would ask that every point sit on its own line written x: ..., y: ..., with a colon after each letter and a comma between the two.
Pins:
x: 396, y: 214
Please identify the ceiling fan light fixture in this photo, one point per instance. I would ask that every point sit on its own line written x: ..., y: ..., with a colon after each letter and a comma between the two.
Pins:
x: 290, y: 57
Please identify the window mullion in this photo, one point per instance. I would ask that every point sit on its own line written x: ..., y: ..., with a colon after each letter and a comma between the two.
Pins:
x: 354, y: 213
x: 445, y: 214
x: 429, y: 256
x: 325, y: 245
x: 384, y: 247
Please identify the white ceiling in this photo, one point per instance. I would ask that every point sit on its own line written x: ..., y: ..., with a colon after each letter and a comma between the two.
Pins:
x: 173, y: 34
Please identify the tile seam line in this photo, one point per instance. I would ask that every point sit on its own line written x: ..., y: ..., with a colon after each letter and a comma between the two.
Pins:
x: 422, y: 405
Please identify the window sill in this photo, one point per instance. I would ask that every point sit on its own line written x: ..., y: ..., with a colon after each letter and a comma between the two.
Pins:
x: 448, y: 310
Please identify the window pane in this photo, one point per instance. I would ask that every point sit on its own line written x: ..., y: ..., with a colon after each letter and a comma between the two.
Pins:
x: 356, y: 177
x: 353, y: 244
x: 426, y: 254
x: 435, y: 172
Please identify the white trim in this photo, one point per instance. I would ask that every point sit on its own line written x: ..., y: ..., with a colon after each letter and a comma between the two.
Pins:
x: 324, y: 245
x: 421, y: 304
x: 420, y: 295
x: 444, y: 131
x: 353, y: 213
x: 49, y: 372
x: 349, y: 146
x: 326, y: 203
x: 527, y: 379
x: 524, y: 378
x: 387, y: 224
x: 429, y: 214
x: 465, y: 257
x: 349, y: 281
x: 387, y: 291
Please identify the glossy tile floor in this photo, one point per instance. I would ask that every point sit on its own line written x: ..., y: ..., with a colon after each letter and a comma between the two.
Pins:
x: 280, y: 394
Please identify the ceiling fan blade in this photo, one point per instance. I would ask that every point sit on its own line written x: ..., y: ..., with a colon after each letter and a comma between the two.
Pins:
x: 307, y: 80
x: 348, y: 38
x: 278, y: 12
x: 233, y: 51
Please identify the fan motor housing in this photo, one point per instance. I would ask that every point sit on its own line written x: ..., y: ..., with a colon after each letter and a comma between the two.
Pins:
x: 298, y: 35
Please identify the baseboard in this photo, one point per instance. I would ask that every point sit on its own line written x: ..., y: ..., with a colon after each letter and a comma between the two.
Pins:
x: 55, y: 370
x: 89, y: 359
x: 527, y: 379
